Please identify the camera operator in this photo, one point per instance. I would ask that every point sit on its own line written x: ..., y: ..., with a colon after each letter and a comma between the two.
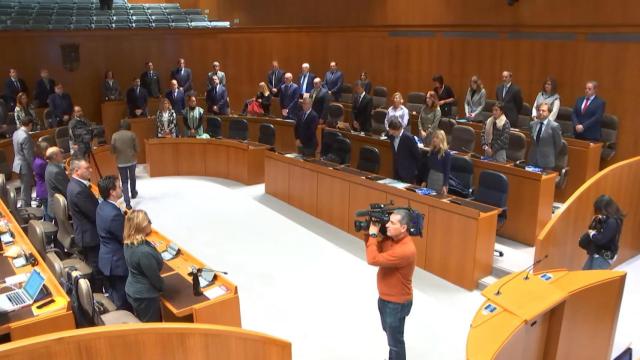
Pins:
x: 395, y: 255
x: 602, y: 238
x: 80, y: 133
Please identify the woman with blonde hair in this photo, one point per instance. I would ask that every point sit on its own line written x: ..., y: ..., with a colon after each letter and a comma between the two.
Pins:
x: 429, y: 118
x: 144, y: 283
x: 398, y: 110
x: 438, y: 163
x: 260, y: 104
x: 495, y: 134
x: 166, y: 119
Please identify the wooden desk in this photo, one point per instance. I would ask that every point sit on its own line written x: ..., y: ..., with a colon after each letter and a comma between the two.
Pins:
x: 461, y: 255
x: 230, y: 159
x: 285, y: 136
x: 20, y: 324
x: 144, y: 128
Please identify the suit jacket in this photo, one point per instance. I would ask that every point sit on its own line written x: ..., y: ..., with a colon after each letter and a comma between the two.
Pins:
x: 542, y: 153
x: 151, y: 83
x: 144, y: 263
x: 333, y: 82
x: 124, y: 145
x: 110, y: 92
x: 183, y: 79
x: 82, y: 206
x: 110, y: 226
x: 217, y: 98
x: 11, y: 91
x: 60, y: 105
x: 309, y: 84
x: 23, y: 149
x: 56, y: 180
x: 177, y: 102
x: 289, y: 97
x: 321, y: 103
x: 405, y: 158
x: 43, y: 92
x: 590, y: 119
x: 137, y: 101
x: 512, y: 101
x: 305, y: 129
x: 474, y: 105
x: 275, y: 79
x: 362, y: 111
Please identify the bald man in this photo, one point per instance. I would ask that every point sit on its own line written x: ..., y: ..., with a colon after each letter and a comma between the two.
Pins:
x: 289, y: 95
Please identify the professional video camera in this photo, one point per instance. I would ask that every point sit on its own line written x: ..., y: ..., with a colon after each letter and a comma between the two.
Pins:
x: 381, y: 213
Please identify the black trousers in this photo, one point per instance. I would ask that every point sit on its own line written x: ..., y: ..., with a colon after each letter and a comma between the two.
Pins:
x: 106, y: 4
x: 96, y: 280
x: 146, y: 309
x: 117, y: 293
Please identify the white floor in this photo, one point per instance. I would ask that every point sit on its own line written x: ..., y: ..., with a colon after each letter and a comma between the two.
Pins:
x: 305, y: 281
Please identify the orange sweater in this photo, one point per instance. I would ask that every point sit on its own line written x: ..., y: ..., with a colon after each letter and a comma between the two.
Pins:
x: 396, y: 260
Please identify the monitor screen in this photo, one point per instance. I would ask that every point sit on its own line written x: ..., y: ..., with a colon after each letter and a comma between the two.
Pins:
x: 34, y: 283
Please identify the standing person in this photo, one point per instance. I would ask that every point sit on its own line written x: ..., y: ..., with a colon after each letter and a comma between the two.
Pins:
x: 587, y: 114
x: 262, y: 99
x: 110, y: 225
x: 366, y: 83
x: 110, y: 87
x: 55, y: 176
x: 275, y: 79
x: 166, y: 120
x: 546, y: 139
x: 405, y: 152
x: 439, y: 163
x: 445, y: 95
x: 39, y: 170
x: 602, y: 240
x: 429, y: 118
x: 217, y: 72
x: 216, y: 97
x: 397, y: 110
x: 124, y: 145
x: 137, y: 99
x: 362, y: 107
x: 61, y: 107
x: 12, y: 87
x: 24, y: 109
x: 23, y: 149
x: 144, y: 283
x: 176, y: 97
x: 549, y: 95
x: 320, y: 99
x: 44, y: 88
x: 182, y: 75
x: 80, y: 133
x: 289, y: 95
x: 495, y: 134
x: 475, y: 99
x: 193, y: 118
x: 395, y: 256
x: 82, y: 204
x: 305, y: 129
x: 510, y: 96
x: 305, y: 80
x: 333, y: 81
x: 150, y: 81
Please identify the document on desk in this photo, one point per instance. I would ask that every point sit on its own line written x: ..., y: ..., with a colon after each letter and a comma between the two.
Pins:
x: 216, y: 292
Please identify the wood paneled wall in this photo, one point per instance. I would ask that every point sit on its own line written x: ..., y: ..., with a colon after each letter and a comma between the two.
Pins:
x: 402, y: 59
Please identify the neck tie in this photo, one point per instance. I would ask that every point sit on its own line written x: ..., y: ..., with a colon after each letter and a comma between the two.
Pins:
x: 273, y: 80
x: 304, y: 117
x: 586, y: 104
x: 539, y: 132
x: 504, y: 91
x: 175, y: 94
x: 137, y: 90
x: 17, y: 84
x: 46, y: 84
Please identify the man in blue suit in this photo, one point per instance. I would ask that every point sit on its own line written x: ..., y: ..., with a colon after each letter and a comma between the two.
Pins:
x: 176, y: 97
x: 137, y: 98
x: 12, y: 87
x: 182, y: 75
x: 275, y: 78
x: 405, y: 152
x: 217, y: 97
x: 305, y: 81
x: 587, y: 114
x: 333, y: 80
x: 82, y: 206
x: 110, y: 225
x: 61, y: 107
x: 289, y: 95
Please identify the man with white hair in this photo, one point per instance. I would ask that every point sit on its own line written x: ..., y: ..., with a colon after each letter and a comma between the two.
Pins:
x: 217, y: 72
x: 305, y: 81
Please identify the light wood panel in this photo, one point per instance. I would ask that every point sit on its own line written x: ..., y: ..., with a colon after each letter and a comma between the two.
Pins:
x: 332, y: 191
x: 559, y: 238
x: 150, y: 341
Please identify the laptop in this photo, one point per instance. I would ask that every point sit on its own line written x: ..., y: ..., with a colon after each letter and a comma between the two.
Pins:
x: 17, y: 299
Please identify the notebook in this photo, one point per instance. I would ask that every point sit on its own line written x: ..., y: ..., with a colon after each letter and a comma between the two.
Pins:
x: 17, y: 299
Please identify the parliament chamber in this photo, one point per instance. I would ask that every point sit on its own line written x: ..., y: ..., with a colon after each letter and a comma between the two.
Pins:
x: 238, y: 193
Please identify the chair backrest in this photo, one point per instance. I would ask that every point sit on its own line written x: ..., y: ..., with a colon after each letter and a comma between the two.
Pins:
x: 562, y: 157
x: 35, y: 233
x: 523, y: 123
x: 488, y: 105
x: 462, y: 169
x: 49, y: 139
x: 377, y: 121
x: 341, y: 150
x: 3, y: 189
x: 564, y: 120
x: 493, y: 188
x: 267, y: 134
x: 346, y: 95
x: 328, y: 139
x: 55, y: 265
x: 85, y: 297
x: 335, y: 114
x: 415, y: 101
x: 379, y: 95
x: 564, y: 113
x: 609, y: 127
x: 62, y: 138
x: 5, y: 167
x: 447, y: 125
x: 12, y: 204
x: 517, y: 146
x: 526, y: 109
x: 463, y: 138
x: 61, y: 213
x: 369, y: 159
x: 238, y: 129
x: 214, y: 126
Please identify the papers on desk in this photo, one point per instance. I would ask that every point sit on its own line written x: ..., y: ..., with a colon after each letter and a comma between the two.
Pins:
x: 533, y: 169
x: 394, y: 183
x: 15, y: 279
x: 294, y: 156
x: 216, y: 292
x: 425, y: 191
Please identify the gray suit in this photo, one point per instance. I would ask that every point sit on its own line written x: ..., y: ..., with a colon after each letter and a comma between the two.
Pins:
x: 221, y: 77
x: 23, y: 162
x: 57, y: 181
x: 543, y: 151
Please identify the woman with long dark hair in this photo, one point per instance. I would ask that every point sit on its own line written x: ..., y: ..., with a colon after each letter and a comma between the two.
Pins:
x: 602, y: 238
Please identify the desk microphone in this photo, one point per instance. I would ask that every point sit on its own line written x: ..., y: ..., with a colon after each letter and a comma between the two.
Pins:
x: 527, y: 270
x: 215, y: 271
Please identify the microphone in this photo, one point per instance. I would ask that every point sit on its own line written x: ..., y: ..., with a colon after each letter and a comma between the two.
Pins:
x: 215, y: 271
x: 527, y: 270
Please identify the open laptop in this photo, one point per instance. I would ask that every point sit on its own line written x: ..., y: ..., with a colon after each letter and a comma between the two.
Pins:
x: 22, y: 297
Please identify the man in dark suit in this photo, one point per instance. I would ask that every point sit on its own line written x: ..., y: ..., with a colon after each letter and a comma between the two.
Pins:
x: 182, y: 75
x: 509, y: 94
x: 289, y: 95
x: 320, y: 98
x: 275, y: 78
x: 333, y: 80
x: 587, y: 114
x: 305, y: 129
x: 361, y: 108
x: 110, y: 226
x: 405, y: 152
x: 150, y: 81
x: 305, y: 80
x: 176, y: 97
x: 546, y: 139
x: 106, y: 4
x: 137, y: 98
x: 82, y: 206
x: 23, y: 148
x: 12, y: 87
x: 217, y: 98
x: 44, y: 88
x: 55, y: 176
x: 60, y: 105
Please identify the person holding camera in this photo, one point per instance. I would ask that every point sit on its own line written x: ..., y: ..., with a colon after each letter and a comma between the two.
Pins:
x: 395, y: 256
x: 602, y: 238
x: 80, y: 133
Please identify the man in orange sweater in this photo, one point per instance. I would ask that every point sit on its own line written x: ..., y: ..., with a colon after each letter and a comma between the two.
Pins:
x: 395, y: 255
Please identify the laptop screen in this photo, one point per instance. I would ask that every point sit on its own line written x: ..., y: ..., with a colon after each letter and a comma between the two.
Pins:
x: 34, y: 283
